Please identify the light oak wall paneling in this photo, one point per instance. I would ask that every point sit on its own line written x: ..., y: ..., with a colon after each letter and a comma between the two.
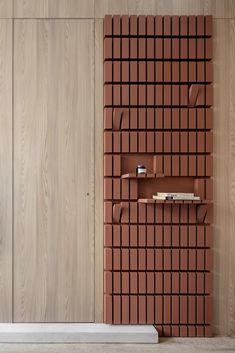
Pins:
x: 98, y: 171
x: 224, y: 177
x: 6, y: 8
x: 54, y: 171
x: 5, y: 170
x: 53, y: 8
x: 217, y: 8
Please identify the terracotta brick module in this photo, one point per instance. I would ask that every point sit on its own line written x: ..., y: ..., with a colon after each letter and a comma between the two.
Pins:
x: 158, y: 99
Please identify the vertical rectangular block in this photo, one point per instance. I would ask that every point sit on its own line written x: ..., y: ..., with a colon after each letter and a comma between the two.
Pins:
x: 175, y: 48
x: 175, y: 73
x: 116, y: 282
x: 133, y: 260
x: 108, y: 25
x: 116, y: 48
x: 167, y: 48
x: 133, y: 309
x: 150, y: 48
x: 133, y: 48
x: 158, y: 25
x: 133, y: 25
x: 116, y: 25
x: 150, y: 309
x: 125, y: 48
x: 158, y: 48
x: 117, y: 309
x: 142, y: 309
x: 142, y: 48
x: 133, y: 282
x: 125, y: 25
x: 158, y: 309
x: 107, y: 259
x: 125, y: 309
x: 183, y: 310
x: 167, y: 309
x: 183, y: 48
x: 108, y: 318
x: 192, y: 48
x: 108, y: 235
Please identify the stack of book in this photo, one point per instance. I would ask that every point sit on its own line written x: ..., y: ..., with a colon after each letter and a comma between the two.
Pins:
x: 175, y: 196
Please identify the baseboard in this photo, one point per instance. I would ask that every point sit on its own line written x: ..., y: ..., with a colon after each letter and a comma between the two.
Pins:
x: 77, y: 333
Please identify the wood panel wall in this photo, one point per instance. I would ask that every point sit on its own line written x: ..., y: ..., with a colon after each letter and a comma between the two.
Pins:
x: 6, y: 170
x: 224, y: 126
x: 53, y: 183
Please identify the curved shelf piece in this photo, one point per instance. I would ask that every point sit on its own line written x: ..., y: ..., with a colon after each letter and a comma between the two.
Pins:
x: 198, y: 202
x: 142, y: 175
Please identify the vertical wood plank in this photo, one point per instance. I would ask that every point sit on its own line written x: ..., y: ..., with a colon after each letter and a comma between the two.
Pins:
x: 224, y: 171
x: 98, y: 171
x: 6, y: 170
x: 6, y: 8
x: 54, y: 171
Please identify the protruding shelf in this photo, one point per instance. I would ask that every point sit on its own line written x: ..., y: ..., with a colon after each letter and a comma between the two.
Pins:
x: 142, y: 175
x: 198, y: 202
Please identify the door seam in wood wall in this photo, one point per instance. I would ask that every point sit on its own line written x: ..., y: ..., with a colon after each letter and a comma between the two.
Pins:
x: 13, y: 221
x: 94, y: 189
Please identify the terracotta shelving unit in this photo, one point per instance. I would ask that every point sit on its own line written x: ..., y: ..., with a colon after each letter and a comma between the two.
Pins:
x: 158, y: 99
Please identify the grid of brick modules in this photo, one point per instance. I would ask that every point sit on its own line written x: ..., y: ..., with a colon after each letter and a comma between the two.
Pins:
x: 157, y: 112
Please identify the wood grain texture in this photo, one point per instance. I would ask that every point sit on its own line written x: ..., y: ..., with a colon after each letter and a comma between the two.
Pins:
x: 217, y: 8
x: 224, y: 177
x: 54, y: 171
x: 53, y: 8
x: 98, y: 171
x: 6, y: 170
x: 6, y: 8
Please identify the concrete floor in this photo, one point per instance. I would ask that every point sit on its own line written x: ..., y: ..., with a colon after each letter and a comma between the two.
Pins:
x: 167, y: 345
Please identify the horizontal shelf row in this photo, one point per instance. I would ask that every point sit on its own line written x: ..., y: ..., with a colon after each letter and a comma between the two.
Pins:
x: 158, y: 142
x: 129, y: 189
x: 158, y: 71
x: 158, y: 259
x: 140, y: 213
x: 158, y: 310
x: 183, y: 165
x: 157, y: 48
x: 157, y: 283
x: 174, y: 236
x: 171, y: 165
x: 155, y: 95
x: 158, y: 118
x: 157, y: 25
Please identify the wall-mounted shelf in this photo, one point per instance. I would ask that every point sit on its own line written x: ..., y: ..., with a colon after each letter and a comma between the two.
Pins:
x: 198, y: 202
x: 158, y: 95
x: 142, y: 176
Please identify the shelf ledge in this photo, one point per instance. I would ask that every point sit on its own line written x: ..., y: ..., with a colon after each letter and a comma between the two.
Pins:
x: 142, y: 176
x: 190, y: 202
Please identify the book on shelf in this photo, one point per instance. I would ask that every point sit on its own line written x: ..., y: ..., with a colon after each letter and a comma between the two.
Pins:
x: 175, y: 196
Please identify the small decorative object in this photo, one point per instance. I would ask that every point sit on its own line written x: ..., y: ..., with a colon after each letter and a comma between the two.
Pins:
x: 141, y: 169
